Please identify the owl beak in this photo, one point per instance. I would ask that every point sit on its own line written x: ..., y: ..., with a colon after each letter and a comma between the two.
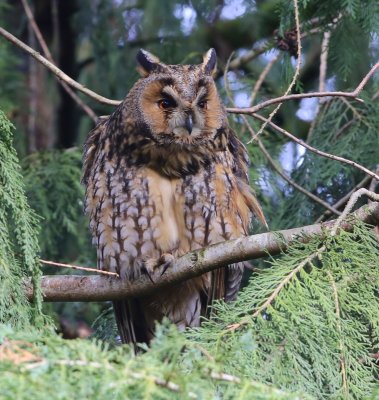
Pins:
x: 189, y: 124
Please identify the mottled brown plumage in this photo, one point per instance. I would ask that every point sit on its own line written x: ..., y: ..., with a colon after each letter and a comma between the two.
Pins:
x: 164, y: 175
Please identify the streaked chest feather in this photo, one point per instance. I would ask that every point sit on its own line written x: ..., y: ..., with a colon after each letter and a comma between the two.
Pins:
x: 137, y: 213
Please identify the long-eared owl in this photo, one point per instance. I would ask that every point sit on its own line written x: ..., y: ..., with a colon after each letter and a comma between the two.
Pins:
x: 165, y: 174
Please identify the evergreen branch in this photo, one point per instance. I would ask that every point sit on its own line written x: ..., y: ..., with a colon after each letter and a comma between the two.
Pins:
x: 95, y: 270
x: 339, y: 329
x: 172, y: 386
x: 55, y: 70
x: 354, y: 94
x: 335, y: 227
x: 316, y: 151
x: 277, y: 290
x: 48, y: 55
x: 306, y: 261
x: 192, y: 264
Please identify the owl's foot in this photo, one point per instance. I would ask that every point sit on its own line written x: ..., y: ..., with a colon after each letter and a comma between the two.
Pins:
x: 156, y: 267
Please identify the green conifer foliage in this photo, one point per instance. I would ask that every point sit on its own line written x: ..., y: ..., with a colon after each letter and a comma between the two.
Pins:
x: 314, y: 340
x: 306, y: 325
x: 52, y: 184
x: 318, y: 332
x: 18, y: 239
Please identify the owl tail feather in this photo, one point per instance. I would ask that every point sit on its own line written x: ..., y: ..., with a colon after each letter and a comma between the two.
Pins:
x: 130, y: 321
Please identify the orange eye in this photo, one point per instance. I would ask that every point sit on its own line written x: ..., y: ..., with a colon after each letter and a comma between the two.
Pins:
x: 165, y: 104
x: 202, y: 104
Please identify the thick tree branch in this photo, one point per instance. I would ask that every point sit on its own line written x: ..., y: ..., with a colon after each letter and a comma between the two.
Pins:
x: 192, y: 264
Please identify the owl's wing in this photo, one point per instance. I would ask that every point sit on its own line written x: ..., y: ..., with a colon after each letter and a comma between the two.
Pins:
x: 225, y: 282
x: 241, y: 170
x: 90, y: 147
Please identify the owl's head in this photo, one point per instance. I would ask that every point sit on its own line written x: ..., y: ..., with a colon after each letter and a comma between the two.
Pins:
x: 179, y: 103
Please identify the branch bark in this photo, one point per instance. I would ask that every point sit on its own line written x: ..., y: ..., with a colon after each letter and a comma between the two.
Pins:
x: 192, y: 264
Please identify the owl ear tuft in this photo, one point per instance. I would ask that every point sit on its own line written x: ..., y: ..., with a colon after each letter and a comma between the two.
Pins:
x: 209, y: 65
x: 148, y: 63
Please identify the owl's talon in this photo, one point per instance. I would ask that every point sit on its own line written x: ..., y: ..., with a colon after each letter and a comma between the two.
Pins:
x: 156, y: 267
x: 145, y: 271
x: 165, y: 267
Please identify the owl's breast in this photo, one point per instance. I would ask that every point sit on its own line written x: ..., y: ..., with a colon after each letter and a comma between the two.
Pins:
x: 168, y: 222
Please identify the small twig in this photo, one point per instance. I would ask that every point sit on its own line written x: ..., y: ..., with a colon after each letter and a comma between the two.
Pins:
x: 351, y: 203
x: 354, y: 94
x: 267, y: 103
x: 374, y: 182
x: 245, y: 58
x: 97, y: 271
x: 226, y: 80
x: 56, y: 71
x: 364, y: 81
x: 136, y: 375
x: 339, y: 329
x: 316, y: 151
x: 36, y: 30
x: 225, y: 377
x: 33, y: 95
x: 262, y: 77
x: 344, y: 127
x: 324, y: 61
x: 343, y: 200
